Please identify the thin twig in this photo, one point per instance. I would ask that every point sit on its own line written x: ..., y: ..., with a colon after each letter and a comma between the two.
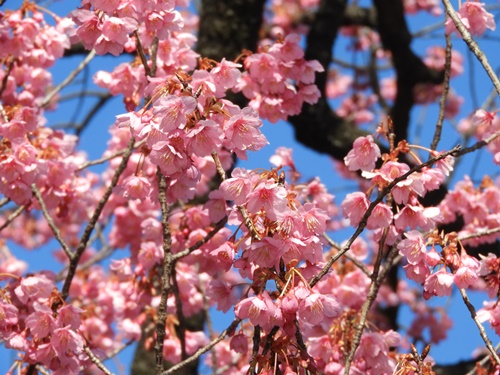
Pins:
x: 477, y: 145
x: 96, y: 361
x: 255, y: 351
x: 453, y: 152
x: 480, y: 327
x: 109, y: 157
x: 154, y: 54
x: 68, y: 79
x: 91, y: 113
x: 142, y: 55
x: 10, y: 65
x: 356, y: 262
x: 181, y: 319
x: 372, y: 294
x: 473, y: 46
x: 18, y: 211
x: 93, y: 220
x: 166, y: 272
x: 479, y: 234
x: 444, y: 95
x: 483, y: 361
x: 201, y: 242
x: 205, y: 349
x: 208, y: 320
x: 50, y: 221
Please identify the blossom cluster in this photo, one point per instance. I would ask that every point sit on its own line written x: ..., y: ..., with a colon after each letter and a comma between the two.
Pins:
x: 106, y: 25
x: 32, y: 154
x: 278, y: 80
x: 35, y: 323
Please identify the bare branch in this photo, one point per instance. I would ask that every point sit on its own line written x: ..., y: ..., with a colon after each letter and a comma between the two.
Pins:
x: 107, y: 158
x: 18, y: 211
x: 50, y: 221
x: 166, y: 272
x: 473, y: 46
x: 480, y: 327
x: 205, y: 349
x: 444, y: 95
x: 91, y: 225
x: 201, y: 242
x: 480, y: 234
x: 68, y: 79
x: 96, y: 361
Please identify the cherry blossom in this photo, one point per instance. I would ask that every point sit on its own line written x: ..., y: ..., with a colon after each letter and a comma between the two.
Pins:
x: 474, y: 17
x: 188, y: 228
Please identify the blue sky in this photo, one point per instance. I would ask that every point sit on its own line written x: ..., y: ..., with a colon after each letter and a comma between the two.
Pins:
x: 464, y: 337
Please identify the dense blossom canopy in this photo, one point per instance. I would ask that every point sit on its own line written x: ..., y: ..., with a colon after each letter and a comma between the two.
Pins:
x: 199, y: 233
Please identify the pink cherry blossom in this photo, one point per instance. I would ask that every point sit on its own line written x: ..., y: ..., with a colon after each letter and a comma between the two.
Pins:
x: 381, y: 217
x: 260, y: 310
x: 172, y: 111
x: 363, y: 155
x: 238, y: 187
x: 315, y: 308
x: 271, y: 198
x: 413, y: 247
x: 438, y: 283
x: 242, y: 132
x: 354, y: 207
x: 474, y: 17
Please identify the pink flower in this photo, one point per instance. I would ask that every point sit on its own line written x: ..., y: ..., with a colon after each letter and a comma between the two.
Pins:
x: 271, y: 198
x: 204, y: 138
x: 134, y: 187
x: 266, y: 253
x: 89, y: 29
x: 381, y: 217
x: 283, y: 158
x: 316, y: 308
x: 438, y: 284
x: 222, y: 294
x: 417, y: 272
x: 170, y: 156
x: 9, y: 314
x: 41, y: 322
x: 69, y: 316
x: 238, y: 187
x: 65, y: 340
x: 289, y: 49
x: 172, y: 111
x: 242, y: 132
x: 226, y: 73
x: 314, y: 218
x: 413, y: 248
x: 354, y: 207
x: 363, y: 155
x: 260, y: 310
x: 224, y: 256
x: 239, y: 343
x: 262, y: 67
x: 115, y: 35
x: 474, y: 17
x: 150, y: 254
x: 468, y: 272
x: 34, y: 287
